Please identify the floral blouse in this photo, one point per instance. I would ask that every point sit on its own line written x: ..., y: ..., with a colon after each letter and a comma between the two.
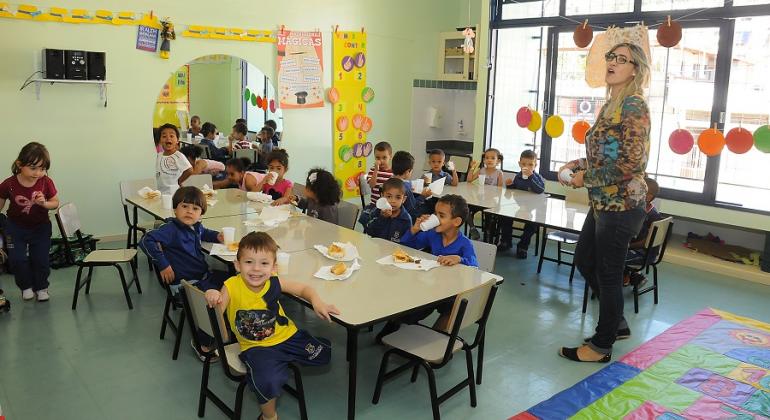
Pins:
x: 617, y: 150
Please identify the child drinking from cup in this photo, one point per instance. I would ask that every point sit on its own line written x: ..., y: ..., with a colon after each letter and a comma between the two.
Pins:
x: 488, y: 173
x: 389, y: 220
x: 527, y: 180
x: 274, y: 183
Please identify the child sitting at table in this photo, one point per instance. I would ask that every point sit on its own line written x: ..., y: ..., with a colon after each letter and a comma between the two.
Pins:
x: 402, y: 166
x: 237, y: 139
x: 391, y: 224
x: 274, y: 183
x: 175, y: 249
x: 321, y: 196
x: 276, y: 137
x: 265, y: 137
x: 527, y: 180
x: 239, y: 176
x: 268, y: 339
x: 171, y: 166
x: 436, y: 160
x: 195, y: 126
x: 636, y: 251
x: 203, y: 166
x: 209, y: 132
x: 379, y: 173
x: 493, y: 175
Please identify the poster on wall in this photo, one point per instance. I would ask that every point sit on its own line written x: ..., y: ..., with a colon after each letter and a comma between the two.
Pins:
x: 300, y: 69
x: 349, y: 96
x: 173, y: 103
x: 147, y: 38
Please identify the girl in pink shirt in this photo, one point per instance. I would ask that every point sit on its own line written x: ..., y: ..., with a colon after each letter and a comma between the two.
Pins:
x: 274, y: 182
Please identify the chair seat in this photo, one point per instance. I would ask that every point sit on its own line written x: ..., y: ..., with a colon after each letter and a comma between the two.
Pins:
x: 233, y: 361
x: 567, y: 237
x: 421, y: 341
x: 110, y: 256
x: 518, y: 225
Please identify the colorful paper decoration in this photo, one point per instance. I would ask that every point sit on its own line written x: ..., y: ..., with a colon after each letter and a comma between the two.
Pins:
x: 359, y: 59
x: 554, y: 126
x: 367, y: 124
x: 739, y: 140
x: 246, y: 94
x: 167, y: 34
x: 535, y: 122
x: 333, y: 95
x: 342, y: 123
x: 711, y: 142
x: 259, y: 101
x: 583, y: 35
x: 681, y: 141
x: 367, y: 95
x: 762, y: 139
x: 253, y: 99
x: 272, y: 106
x: 300, y: 69
x: 523, y: 116
x: 358, y: 120
x: 345, y: 153
x: 468, y: 41
x: 579, y: 131
x: 669, y: 33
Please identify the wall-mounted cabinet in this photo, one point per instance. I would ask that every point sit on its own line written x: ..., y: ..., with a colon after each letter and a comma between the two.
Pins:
x: 453, y: 63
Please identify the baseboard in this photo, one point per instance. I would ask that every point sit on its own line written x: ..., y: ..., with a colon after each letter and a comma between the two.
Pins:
x: 676, y: 253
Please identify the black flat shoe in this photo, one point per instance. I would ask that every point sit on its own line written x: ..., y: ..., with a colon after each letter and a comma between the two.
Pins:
x: 622, y: 334
x: 571, y: 354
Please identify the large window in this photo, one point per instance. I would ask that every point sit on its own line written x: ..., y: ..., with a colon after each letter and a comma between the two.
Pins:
x: 716, y: 75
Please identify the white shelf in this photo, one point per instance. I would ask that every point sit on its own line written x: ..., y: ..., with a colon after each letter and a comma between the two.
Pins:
x: 101, y: 83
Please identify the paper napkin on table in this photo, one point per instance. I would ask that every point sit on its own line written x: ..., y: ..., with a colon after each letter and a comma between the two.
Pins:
x: 259, y: 197
x: 423, y: 265
x: 222, y: 250
x: 351, y: 252
x: 147, y: 192
x: 325, y: 272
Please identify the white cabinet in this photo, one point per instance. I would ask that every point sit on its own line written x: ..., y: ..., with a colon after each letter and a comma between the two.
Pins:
x: 453, y: 63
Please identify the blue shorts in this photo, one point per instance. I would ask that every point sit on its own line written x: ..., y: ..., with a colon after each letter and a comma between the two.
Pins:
x: 268, y: 369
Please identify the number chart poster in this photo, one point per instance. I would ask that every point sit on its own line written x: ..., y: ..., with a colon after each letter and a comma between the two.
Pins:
x: 300, y: 69
x: 349, y: 96
x: 173, y: 103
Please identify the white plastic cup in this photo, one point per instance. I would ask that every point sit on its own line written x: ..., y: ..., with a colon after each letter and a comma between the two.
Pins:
x: 167, y: 200
x: 430, y: 223
x: 482, y: 179
x: 418, y: 185
x: 272, y: 177
x: 189, y: 137
x: 566, y: 176
x: 523, y: 176
x: 282, y: 260
x: 570, y: 215
x: 229, y: 235
x: 382, y: 204
x: 450, y: 166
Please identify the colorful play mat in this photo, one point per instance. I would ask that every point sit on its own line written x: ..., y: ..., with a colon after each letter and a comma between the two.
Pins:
x: 714, y: 365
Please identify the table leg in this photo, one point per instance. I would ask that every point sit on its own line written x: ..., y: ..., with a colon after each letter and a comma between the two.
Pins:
x: 766, y: 258
x: 352, y: 356
x: 135, y: 228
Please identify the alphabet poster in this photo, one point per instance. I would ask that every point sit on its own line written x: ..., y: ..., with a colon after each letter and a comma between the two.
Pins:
x: 349, y: 96
x: 300, y: 69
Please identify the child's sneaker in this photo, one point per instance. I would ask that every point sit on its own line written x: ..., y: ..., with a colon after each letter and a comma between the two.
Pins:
x: 27, y: 294
x: 5, y: 304
x: 201, y: 355
x: 42, y: 295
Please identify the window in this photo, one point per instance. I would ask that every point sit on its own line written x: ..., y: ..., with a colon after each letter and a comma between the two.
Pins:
x: 530, y: 8
x: 679, y: 4
x: 257, y: 82
x: 588, y: 7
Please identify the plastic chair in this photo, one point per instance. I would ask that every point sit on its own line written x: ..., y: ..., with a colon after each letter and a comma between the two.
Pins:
x: 172, y: 304
x: 365, y: 190
x: 69, y: 225
x: 212, y: 322
x: 347, y: 215
x: 561, y: 238
x: 198, y: 181
x: 462, y: 166
x: 485, y: 254
x: 128, y: 189
x: 205, y: 153
x: 250, y: 154
x: 432, y: 349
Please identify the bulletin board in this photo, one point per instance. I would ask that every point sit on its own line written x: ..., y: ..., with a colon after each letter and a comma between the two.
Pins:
x: 300, y: 69
x: 173, y: 103
x: 349, y: 96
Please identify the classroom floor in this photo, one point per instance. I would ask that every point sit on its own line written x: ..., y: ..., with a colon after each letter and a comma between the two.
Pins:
x: 104, y: 361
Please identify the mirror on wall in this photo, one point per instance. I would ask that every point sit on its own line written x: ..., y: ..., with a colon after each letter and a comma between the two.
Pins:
x: 218, y: 89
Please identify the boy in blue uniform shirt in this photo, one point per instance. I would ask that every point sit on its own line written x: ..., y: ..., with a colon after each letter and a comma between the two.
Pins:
x: 391, y: 224
x: 636, y: 251
x: 436, y: 160
x: 526, y: 180
x: 209, y: 132
x: 175, y: 247
x: 402, y: 165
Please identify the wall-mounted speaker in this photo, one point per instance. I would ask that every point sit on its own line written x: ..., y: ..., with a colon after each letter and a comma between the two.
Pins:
x: 96, y: 65
x: 53, y: 63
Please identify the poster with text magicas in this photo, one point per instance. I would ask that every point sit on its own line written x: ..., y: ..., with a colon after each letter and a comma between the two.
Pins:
x: 300, y: 68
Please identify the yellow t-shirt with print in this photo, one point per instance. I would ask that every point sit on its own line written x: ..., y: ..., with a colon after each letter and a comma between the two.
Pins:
x: 257, y: 319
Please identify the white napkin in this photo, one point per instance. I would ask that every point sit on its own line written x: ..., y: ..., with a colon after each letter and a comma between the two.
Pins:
x: 147, y: 192
x: 221, y: 250
x: 437, y: 186
x: 424, y: 264
x: 211, y: 202
x: 259, y: 197
x: 272, y: 216
x: 351, y: 252
x: 325, y: 272
x: 208, y: 191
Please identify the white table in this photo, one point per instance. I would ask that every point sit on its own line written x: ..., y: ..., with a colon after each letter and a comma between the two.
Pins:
x: 550, y: 213
x: 230, y: 202
x: 488, y: 196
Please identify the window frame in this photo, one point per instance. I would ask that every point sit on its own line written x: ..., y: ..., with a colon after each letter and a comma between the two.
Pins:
x: 722, y: 18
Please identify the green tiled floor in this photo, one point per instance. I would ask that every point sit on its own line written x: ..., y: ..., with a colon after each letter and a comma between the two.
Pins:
x: 104, y: 361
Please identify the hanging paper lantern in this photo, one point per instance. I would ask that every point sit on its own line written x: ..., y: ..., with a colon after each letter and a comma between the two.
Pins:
x: 367, y: 124
x: 259, y: 102
x: 367, y: 95
x: 711, y: 142
x: 523, y: 117
x: 579, y: 131
x: 762, y: 139
x: 342, y: 123
x: 681, y: 141
x: 554, y: 126
x: 669, y: 33
x: 246, y: 94
x: 333, y: 95
x: 272, y: 106
x: 264, y: 104
x: 253, y: 99
x: 583, y: 35
x: 739, y: 140
x: 536, y: 122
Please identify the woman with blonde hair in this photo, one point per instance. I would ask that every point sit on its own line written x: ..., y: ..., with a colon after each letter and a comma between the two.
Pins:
x: 617, y: 149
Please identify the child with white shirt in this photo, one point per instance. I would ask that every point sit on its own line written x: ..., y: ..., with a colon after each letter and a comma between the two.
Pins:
x: 171, y: 166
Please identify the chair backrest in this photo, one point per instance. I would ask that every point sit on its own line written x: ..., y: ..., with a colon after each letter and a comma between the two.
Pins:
x: 198, y: 308
x: 69, y: 222
x: 130, y: 188
x: 462, y: 164
x: 347, y: 215
x: 659, y: 232
x: 204, y: 151
x: 251, y: 154
x: 365, y: 190
x: 577, y: 195
x: 475, y: 309
x: 198, y: 181
x: 485, y: 254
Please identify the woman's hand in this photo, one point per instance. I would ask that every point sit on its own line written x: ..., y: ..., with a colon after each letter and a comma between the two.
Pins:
x: 449, y: 260
x: 577, y: 179
x: 569, y: 165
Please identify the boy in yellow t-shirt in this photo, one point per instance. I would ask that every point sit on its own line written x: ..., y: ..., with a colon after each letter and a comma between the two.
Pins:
x: 268, y: 339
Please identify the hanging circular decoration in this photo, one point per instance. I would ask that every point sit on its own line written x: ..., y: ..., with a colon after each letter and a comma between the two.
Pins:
x: 342, y: 123
x: 246, y: 94
x: 272, y: 106
x: 711, y: 142
x: 367, y: 95
x: 368, y: 148
x: 554, y: 126
x: 739, y: 140
x: 333, y: 95
x: 523, y: 116
x: 358, y: 119
x: 583, y: 35
x: 253, y: 99
x: 259, y: 101
x: 669, y: 33
x: 536, y: 122
x: 579, y: 131
x: 347, y: 63
x: 264, y: 104
x: 762, y: 139
x: 367, y: 124
x: 681, y: 141
x: 345, y: 153
x: 359, y: 59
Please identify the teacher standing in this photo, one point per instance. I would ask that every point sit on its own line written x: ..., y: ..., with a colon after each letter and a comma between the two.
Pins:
x: 617, y: 149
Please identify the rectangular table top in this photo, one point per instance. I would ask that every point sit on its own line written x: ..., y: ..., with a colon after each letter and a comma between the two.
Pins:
x: 230, y: 202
